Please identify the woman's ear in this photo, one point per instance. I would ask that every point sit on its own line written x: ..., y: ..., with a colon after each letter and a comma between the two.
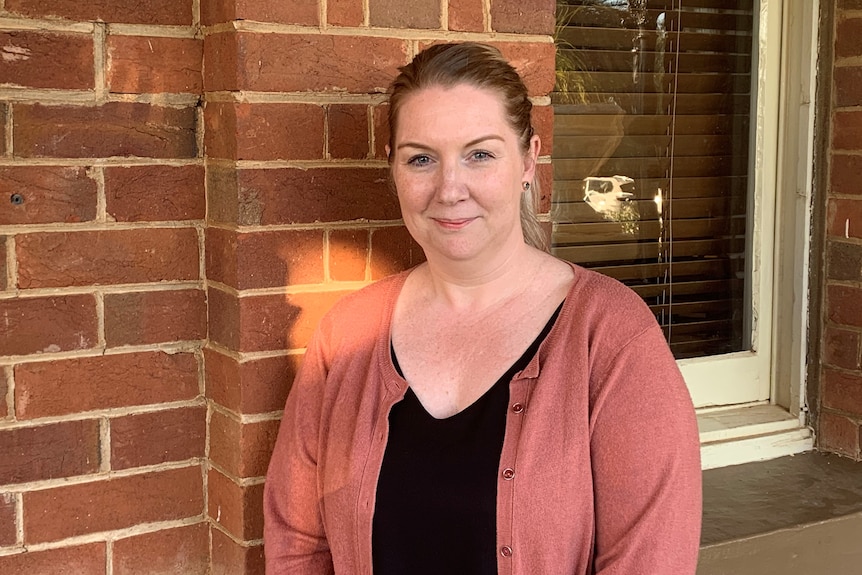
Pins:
x: 386, y: 147
x: 531, y: 158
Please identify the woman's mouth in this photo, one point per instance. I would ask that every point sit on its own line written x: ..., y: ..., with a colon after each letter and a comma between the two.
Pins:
x: 453, y: 224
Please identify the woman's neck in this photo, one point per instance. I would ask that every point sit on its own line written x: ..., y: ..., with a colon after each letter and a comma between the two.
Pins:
x: 470, y: 286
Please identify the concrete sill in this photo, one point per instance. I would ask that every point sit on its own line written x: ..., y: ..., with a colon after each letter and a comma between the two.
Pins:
x: 744, y: 434
x: 788, y: 516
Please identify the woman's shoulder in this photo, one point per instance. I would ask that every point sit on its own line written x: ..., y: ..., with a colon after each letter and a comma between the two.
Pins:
x: 607, y: 306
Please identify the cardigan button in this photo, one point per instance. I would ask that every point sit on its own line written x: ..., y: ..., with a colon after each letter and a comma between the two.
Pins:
x: 508, y: 473
x: 518, y: 408
x: 506, y: 551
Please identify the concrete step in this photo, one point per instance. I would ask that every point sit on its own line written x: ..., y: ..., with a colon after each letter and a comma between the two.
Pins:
x: 796, y: 515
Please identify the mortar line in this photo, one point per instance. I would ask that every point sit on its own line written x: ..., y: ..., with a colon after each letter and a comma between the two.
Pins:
x: 98, y: 175
x: 101, y: 329
x: 19, y: 518
x: 322, y: 15
x: 368, y: 248
x: 100, y: 61
x: 99, y: 413
x: 109, y: 557
x: 486, y: 16
x: 327, y: 276
x: 366, y: 13
x: 11, y: 265
x: 326, y: 111
x: 9, y: 374
x: 10, y: 141
x: 196, y: 15
x: 105, y: 439
x: 444, y: 14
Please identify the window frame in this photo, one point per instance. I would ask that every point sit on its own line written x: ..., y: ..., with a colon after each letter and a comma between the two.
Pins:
x: 751, y: 404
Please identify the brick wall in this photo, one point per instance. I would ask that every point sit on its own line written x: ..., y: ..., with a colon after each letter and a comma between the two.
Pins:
x: 103, y: 421
x: 840, y: 418
x: 185, y: 187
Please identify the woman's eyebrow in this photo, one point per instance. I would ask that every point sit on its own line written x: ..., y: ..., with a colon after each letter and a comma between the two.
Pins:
x: 467, y: 145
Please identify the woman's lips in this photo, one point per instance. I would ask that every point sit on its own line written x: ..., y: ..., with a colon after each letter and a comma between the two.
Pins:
x: 453, y: 224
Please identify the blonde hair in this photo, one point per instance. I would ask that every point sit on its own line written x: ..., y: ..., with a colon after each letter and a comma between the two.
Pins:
x: 481, y: 66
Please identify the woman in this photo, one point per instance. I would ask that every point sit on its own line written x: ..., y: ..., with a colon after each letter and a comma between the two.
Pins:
x: 495, y: 409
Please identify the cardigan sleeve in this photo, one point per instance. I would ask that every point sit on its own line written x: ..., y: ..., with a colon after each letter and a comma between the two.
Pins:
x: 645, y: 455
x: 294, y: 534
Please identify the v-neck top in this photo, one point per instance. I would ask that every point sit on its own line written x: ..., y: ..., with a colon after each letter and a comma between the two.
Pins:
x: 437, y: 491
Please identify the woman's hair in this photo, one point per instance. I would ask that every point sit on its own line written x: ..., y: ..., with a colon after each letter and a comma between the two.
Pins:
x: 481, y: 66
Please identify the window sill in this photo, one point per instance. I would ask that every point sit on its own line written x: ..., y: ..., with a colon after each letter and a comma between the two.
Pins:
x: 745, y: 434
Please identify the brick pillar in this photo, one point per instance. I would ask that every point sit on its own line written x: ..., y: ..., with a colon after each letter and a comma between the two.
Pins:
x: 299, y: 207
x: 102, y: 206
x: 840, y: 421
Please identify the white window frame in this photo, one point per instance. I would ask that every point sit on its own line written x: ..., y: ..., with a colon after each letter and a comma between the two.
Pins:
x: 751, y: 405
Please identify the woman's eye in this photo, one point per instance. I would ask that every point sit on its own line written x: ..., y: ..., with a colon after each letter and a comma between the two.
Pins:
x: 420, y: 160
x: 482, y: 155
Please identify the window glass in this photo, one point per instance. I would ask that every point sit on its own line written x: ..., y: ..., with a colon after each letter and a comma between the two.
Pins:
x: 651, y: 158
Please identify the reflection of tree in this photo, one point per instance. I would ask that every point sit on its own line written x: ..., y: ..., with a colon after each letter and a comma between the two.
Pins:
x: 571, y: 76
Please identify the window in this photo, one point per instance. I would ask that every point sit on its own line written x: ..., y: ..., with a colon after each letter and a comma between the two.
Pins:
x: 668, y: 153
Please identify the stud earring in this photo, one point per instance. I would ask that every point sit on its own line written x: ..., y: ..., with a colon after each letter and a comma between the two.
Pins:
x: 526, y: 186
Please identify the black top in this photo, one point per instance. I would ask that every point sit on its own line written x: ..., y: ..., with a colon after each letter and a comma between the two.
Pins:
x: 437, y: 492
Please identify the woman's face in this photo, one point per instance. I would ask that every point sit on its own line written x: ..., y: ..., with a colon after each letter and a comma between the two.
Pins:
x: 459, y: 170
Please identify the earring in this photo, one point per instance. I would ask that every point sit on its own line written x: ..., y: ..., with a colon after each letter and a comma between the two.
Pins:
x: 526, y: 186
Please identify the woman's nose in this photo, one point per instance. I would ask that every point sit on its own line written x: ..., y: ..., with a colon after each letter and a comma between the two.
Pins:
x: 451, y: 187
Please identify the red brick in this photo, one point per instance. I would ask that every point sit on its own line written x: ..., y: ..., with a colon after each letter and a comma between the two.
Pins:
x: 49, y: 451
x: 400, y: 14
x: 848, y: 38
x: 231, y: 558
x: 264, y: 131
x: 523, y: 16
x: 241, y: 449
x: 839, y: 434
x: 158, y: 437
x: 48, y: 324
x: 140, y: 318
x: 300, y: 12
x: 381, y: 131
x: 294, y: 196
x: 393, y: 250
x: 264, y: 259
x: 844, y: 305
x: 348, y: 253
x: 238, y: 510
x: 87, y: 559
x: 843, y: 261
x: 221, y: 57
x: 268, y: 322
x: 180, y: 550
x: 842, y: 391
x: 847, y: 81
x: 155, y: 193
x: 47, y: 60
x: 8, y: 525
x: 5, y: 411
x: 466, y: 16
x: 846, y: 174
x: 844, y: 218
x: 847, y: 130
x: 344, y: 13
x: 256, y: 386
x: 51, y: 194
x: 107, y: 257
x: 116, y: 503
x: 348, y: 131
x: 104, y: 382
x: 841, y: 348
x: 308, y: 62
x: 145, y: 65
x: 175, y: 12
x: 112, y: 129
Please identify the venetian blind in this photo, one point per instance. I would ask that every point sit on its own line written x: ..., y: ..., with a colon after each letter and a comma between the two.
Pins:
x: 651, y: 157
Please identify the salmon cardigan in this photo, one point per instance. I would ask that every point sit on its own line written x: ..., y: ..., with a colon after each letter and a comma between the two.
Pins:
x: 600, y: 467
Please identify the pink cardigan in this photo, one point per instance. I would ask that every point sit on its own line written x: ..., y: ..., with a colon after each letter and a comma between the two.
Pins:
x: 600, y: 468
